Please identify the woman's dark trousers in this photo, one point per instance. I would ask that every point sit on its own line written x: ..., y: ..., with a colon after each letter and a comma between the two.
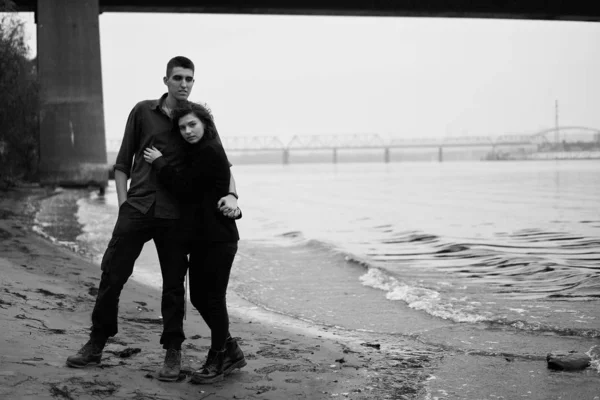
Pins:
x: 132, y: 230
x: 210, y: 265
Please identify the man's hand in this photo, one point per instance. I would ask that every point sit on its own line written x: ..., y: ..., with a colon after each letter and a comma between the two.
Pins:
x: 228, y: 205
x: 151, y: 154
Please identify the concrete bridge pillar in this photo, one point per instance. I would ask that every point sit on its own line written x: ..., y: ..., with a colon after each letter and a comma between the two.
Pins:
x: 440, y: 154
x: 334, y: 155
x: 286, y: 156
x: 386, y: 155
x: 72, y: 142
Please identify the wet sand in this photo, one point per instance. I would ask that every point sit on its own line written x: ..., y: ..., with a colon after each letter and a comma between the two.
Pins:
x: 47, y: 294
x: 46, y: 301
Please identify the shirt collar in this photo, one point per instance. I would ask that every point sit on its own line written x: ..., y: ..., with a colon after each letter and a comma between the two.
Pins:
x: 157, y: 104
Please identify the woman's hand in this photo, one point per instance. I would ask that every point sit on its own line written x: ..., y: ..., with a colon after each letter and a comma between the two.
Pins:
x: 233, y: 213
x: 151, y: 154
x: 227, y: 205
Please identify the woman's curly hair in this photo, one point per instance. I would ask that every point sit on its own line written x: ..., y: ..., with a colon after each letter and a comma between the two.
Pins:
x: 200, y: 111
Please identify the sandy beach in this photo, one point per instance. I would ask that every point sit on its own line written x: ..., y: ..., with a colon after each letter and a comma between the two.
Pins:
x: 47, y: 296
x: 48, y: 293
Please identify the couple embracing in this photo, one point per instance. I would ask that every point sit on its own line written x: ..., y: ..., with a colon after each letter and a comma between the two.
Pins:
x: 182, y: 196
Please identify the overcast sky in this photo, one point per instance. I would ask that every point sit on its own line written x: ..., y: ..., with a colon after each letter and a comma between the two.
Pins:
x: 411, y: 77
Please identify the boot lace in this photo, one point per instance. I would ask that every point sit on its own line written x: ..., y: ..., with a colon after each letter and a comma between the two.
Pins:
x: 89, y: 348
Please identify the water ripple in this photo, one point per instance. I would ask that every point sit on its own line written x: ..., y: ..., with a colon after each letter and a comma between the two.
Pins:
x: 530, y: 262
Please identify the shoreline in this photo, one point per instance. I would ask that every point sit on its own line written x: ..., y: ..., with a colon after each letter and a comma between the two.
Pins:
x: 45, y: 309
x: 46, y: 306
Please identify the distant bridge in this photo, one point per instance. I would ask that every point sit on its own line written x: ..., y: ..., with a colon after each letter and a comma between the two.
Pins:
x: 375, y: 141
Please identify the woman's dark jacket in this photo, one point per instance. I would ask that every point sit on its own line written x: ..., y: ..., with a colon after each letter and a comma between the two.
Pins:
x: 198, y: 187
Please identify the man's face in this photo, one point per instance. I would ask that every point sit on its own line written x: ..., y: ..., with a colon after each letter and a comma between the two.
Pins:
x: 180, y: 83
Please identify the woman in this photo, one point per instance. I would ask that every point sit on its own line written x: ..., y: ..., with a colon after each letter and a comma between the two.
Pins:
x: 210, y: 237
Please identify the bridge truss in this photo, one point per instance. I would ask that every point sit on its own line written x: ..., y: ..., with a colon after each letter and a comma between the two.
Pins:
x: 376, y: 141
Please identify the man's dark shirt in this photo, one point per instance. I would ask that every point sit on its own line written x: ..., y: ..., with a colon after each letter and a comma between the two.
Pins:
x: 149, y: 126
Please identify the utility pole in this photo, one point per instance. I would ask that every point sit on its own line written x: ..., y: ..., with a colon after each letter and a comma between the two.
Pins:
x: 556, y: 133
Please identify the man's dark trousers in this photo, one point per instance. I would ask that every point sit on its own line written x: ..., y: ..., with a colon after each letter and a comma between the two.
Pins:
x: 132, y: 230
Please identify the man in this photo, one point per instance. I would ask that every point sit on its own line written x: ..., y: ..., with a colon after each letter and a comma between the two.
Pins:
x: 147, y: 211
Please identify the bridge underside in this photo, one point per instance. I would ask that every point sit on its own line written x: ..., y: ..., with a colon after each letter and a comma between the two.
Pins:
x: 73, y: 151
x: 576, y: 10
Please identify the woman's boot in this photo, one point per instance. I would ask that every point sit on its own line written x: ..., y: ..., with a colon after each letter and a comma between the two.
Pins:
x: 234, y: 356
x: 212, y: 371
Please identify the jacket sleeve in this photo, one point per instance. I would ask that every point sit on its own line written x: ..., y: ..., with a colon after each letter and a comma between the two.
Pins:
x: 220, y: 173
x: 205, y: 171
x: 218, y: 140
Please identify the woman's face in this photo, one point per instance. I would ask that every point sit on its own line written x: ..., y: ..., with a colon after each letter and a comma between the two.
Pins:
x: 191, y: 128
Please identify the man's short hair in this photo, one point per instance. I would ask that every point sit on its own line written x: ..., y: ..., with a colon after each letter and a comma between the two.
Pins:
x: 179, y: 61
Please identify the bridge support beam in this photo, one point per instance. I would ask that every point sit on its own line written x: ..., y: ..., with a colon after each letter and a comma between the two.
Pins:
x: 286, y: 156
x: 334, y: 155
x: 72, y: 142
x: 386, y: 155
x: 440, y: 154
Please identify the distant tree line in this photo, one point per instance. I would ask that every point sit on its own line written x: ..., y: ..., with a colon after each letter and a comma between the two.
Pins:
x: 19, y: 102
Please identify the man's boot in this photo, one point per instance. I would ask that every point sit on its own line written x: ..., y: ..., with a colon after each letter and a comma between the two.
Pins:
x: 234, y: 356
x: 171, y: 367
x: 212, y: 371
x: 89, y: 355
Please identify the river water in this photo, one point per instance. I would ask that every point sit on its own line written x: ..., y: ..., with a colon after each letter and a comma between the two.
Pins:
x: 402, y: 248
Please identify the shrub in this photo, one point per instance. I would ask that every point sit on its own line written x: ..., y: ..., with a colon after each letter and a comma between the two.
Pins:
x: 19, y: 102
